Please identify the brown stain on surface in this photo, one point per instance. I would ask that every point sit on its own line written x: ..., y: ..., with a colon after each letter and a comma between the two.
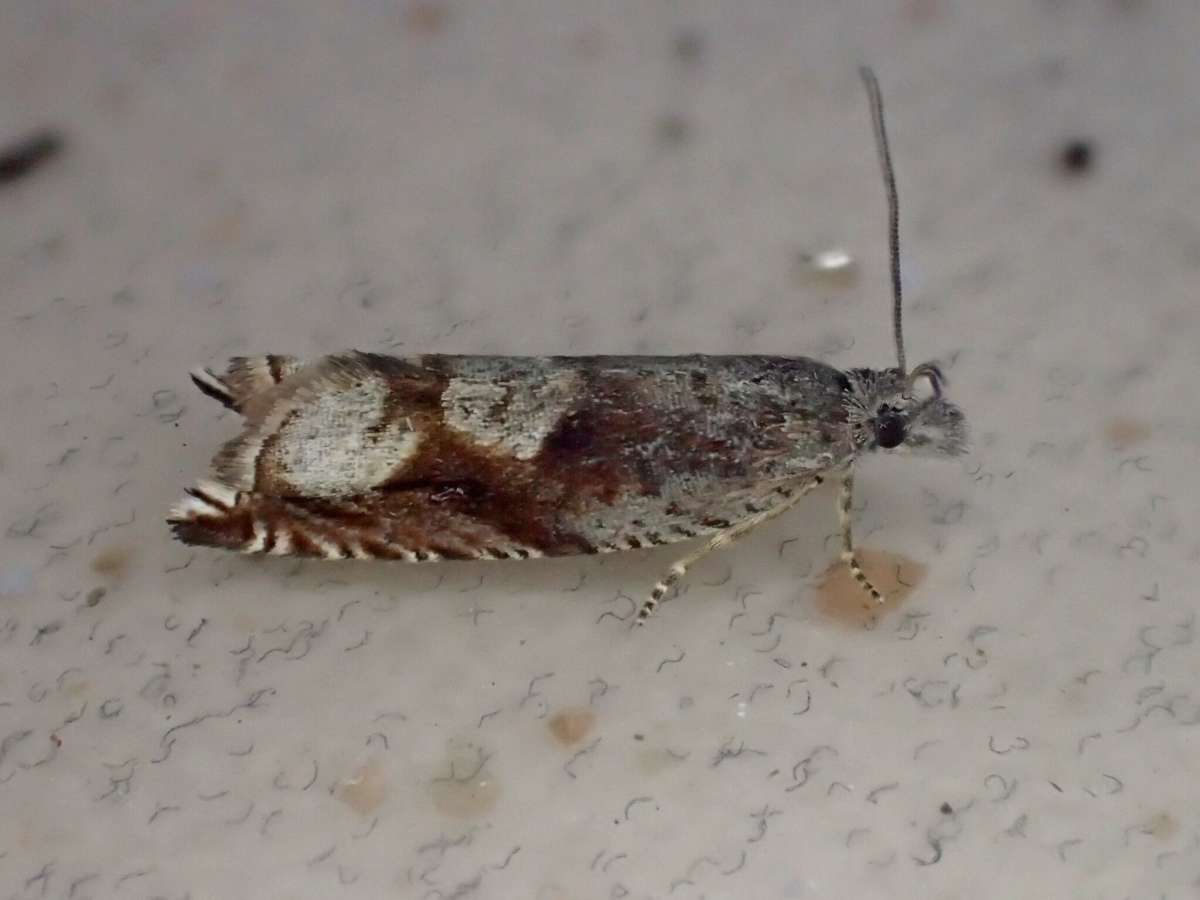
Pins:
x: 224, y: 231
x: 113, y: 563
x: 426, y: 18
x: 1124, y: 432
x: 571, y: 725
x: 1163, y: 826
x: 366, y: 789
x: 840, y: 598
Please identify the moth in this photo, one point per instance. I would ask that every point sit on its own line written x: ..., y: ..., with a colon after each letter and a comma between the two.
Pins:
x: 430, y: 457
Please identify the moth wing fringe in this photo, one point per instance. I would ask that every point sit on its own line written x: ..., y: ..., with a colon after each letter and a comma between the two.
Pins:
x: 212, y: 386
x: 244, y: 377
x: 216, y: 515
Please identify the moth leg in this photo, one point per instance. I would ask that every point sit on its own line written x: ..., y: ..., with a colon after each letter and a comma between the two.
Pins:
x: 721, y: 539
x: 844, y: 501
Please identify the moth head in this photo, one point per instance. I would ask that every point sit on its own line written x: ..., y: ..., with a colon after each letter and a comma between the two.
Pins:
x: 888, y: 410
x: 898, y: 410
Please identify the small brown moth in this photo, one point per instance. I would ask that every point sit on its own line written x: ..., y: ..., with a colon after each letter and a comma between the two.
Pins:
x: 432, y: 457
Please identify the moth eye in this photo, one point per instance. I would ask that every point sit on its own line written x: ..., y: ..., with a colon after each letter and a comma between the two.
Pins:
x: 889, y: 432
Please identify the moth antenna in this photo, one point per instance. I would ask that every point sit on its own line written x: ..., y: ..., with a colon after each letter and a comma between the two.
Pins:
x: 889, y: 183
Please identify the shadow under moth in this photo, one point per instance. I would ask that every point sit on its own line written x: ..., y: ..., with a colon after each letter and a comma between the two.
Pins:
x: 422, y: 458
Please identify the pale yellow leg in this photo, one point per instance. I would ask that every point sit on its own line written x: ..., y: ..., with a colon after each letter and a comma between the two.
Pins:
x: 722, y: 539
x: 848, y: 557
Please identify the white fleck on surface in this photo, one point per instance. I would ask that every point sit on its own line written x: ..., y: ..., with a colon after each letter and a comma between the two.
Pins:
x: 568, y: 177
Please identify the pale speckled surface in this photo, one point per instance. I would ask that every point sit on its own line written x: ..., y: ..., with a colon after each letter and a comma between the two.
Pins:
x: 556, y: 178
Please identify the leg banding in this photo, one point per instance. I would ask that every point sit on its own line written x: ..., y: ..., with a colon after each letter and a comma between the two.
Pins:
x: 677, y: 571
x: 845, y: 500
x: 860, y: 576
x: 719, y: 540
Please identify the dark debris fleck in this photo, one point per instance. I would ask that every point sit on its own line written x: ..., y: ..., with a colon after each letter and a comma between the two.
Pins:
x: 1077, y: 156
x: 23, y: 156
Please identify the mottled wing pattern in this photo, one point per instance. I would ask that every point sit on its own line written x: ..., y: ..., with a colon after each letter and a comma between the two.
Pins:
x: 430, y: 457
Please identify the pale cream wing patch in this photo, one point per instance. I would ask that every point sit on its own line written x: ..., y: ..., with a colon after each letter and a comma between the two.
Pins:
x: 322, y: 432
x: 340, y: 443
x: 516, y: 417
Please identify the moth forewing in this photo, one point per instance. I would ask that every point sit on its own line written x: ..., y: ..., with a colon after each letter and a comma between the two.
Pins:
x: 466, y: 457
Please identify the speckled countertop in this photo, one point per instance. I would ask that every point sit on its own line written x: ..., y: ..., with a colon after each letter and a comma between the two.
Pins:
x: 571, y: 178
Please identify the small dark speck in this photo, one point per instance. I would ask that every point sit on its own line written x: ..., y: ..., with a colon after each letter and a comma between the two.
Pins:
x: 22, y: 157
x: 673, y: 130
x: 1077, y: 156
x: 639, y: 737
x: 95, y: 595
x: 688, y: 46
x: 947, y: 809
